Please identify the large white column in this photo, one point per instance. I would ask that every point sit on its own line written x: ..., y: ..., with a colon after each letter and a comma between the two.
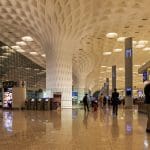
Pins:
x: 59, y: 71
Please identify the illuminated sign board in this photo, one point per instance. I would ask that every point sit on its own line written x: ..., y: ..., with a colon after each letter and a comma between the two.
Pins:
x: 128, y: 53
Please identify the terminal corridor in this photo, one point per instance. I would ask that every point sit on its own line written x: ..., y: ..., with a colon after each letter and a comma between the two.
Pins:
x: 73, y: 130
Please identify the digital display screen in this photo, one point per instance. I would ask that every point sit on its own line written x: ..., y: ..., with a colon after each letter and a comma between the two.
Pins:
x: 140, y: 93
x: 128, y: 53
x: 7, y: 98
x: 74, y: 93
x: 129, y: 91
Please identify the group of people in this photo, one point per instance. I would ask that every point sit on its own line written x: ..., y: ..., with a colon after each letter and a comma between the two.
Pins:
x: 115, y: 101
x: 101, y: 101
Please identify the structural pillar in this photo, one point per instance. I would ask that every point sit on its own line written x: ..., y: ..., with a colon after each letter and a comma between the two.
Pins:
x: 128, y: 73
x: 113, y: 77
x: 59, y: 72
x: 107, y: 86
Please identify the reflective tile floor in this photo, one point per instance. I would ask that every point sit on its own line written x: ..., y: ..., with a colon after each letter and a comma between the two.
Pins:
x: 73, y: 130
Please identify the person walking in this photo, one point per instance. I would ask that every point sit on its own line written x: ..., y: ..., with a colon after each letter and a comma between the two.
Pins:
x: 147, y: 101
x: 115, y: 100
x: 85, y: 102
x: 101, y: 100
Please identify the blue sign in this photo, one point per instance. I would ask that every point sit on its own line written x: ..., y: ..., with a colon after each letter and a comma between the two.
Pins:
x: 74, y: 94
x: 145, y: 76
x: 128, y: 53
x: 128, y: 91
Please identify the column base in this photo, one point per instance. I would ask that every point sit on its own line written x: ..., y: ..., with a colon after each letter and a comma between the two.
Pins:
x: 128, y: 102
x: 66, y: 104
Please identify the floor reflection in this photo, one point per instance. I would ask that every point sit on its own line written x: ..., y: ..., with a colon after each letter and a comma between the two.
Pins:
x: 8, y: 120
x: 85, y: 119
x: 73, y: 130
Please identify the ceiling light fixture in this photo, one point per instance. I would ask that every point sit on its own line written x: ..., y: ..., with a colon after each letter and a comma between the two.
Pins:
x: 27, y: 38
x: 3, y: 57
x: 103, y: 66
x: 134, y: 43
x: 116, y: 50
x: 120, y: 69
x: 146, y: 49
x: 15, y: 47
x: 107, y: 53
x: 33, y: 53
x: 43, y: 55
x: 112, y: 35
x: 20, y: 50
x: 143, y: 42
x: 137, y: 65
x: 5, y: 47
x: 140, y: 46
x: 7, y: 54
x: 121, y: 39
x: 21, y: 43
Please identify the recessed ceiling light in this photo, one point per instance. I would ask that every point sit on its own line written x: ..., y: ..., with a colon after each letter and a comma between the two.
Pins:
x: 15, y: 47
x: 143, y: 42
x: 117, y: 50
x: 5, y: 47
x: 36, y: 69
x: 27, y: 68
x: 121, y: 39
x: 43, y: 55
x: 103, y: 66
x: 3, y: 57
x: 21, y: 43
x: 107, y: 53
x: 137, y: 65
x: 20, y: 50
x: 120, y: 69
x: 11, y: 50
x: 134, y: 43
x: 140, y: 46
x: 7, y: 54
x: 33, y: 53
x: 146, y: 49
x: 27, y: 38
x: 135, y: 72
x: 112, y: 35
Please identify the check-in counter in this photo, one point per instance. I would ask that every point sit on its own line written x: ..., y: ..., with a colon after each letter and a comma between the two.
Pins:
x: 40, y: 104
x: 46, y: 102
x: 33, y: 104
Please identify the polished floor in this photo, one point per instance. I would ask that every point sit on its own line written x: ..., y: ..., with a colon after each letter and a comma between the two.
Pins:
x: 73, y: 130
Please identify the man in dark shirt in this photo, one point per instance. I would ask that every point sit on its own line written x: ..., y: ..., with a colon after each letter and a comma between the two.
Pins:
x: 85, y: 102
x: 115, y: 100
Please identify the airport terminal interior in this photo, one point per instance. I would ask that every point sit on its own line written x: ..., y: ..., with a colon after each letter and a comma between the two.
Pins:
x: 57, y: 54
